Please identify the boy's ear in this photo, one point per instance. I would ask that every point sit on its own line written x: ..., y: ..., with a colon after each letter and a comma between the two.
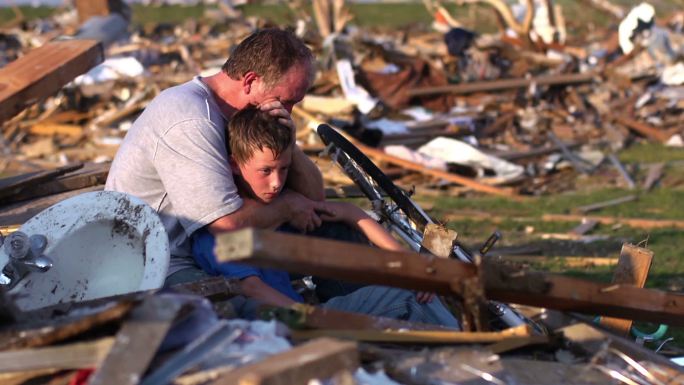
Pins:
x: 233, y: 165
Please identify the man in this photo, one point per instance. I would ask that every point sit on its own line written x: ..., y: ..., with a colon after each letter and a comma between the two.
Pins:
x: 174, y: 156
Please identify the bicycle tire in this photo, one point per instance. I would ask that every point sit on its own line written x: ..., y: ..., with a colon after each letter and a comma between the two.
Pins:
x: 398, y: 196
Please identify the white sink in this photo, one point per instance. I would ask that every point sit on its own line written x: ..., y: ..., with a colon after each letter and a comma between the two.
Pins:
x: 101, y: 244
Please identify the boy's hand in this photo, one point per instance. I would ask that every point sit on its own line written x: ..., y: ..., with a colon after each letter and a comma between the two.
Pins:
x: 275, y: 108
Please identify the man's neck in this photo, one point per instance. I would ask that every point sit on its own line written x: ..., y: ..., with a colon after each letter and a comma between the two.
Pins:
x: 226, y: 92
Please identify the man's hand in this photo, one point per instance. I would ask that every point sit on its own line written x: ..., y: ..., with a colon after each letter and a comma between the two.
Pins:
x: 303, y: 212
x: 275, y: 108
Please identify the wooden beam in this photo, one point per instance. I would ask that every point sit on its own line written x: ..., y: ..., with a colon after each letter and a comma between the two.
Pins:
x: 89, y: 8
x: 640, y: 223
x: 506, y: 84
x: 582, y: 296
x: 358, y: 263
x: 301, y: 316
x: 28, y: 334
x: 318, y: 359
x: 632, y: 269
x: 341, y: 260
x: 137, y: 342
x: 642, y: 128
x: 416, y: 336
x: 43, y: 71
x: 80, y: 355
x: 15, y: 184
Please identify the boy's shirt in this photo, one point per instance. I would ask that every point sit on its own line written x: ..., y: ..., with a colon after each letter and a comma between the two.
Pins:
x: 203, y: 251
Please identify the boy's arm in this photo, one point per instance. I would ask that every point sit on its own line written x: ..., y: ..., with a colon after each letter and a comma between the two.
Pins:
x: 354, y: 216
x: 254, y: 287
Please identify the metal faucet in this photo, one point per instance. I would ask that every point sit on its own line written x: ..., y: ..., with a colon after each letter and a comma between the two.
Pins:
x: 25, y: 255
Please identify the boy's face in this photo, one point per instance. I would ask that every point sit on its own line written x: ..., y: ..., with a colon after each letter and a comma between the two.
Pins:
x: 263, y: 174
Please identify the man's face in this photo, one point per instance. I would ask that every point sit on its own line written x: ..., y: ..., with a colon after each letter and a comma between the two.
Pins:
x: 263, y: 174
x: 290, y: 90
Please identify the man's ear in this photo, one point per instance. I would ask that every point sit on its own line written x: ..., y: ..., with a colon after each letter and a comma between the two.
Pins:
x: 248, y: 81
x: 233, y: 165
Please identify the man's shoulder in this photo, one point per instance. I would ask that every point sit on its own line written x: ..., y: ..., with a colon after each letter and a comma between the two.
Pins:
x: 187, y: 101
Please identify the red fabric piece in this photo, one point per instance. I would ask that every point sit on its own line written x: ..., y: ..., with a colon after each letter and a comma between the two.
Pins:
x: 81, y: 377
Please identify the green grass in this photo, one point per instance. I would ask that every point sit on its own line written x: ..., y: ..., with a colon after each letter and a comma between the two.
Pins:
x: 479, y: 18
x: 29, y: 13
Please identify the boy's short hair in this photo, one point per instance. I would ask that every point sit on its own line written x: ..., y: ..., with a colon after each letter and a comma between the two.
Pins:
x: 270, y: 53
x: 251, y: 129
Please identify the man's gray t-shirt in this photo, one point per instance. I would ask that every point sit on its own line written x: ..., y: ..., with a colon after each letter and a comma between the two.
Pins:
x: 174, y: 158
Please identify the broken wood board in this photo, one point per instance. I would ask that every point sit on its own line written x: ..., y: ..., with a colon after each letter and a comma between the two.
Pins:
x: 506, y: 84
x: 655, y: 172
x: 641, y: 223
x: 302, y: 316
x: 608, y: 203
x: 439, y: 240
x: 593, y: 339
x: 569, y: 261
x: 91, y: 174
x: 26, y: 334
x: 366, y: 264
x: 20, y: 212
x: 632, y: 269
x: 79, y: 355
x: 43, y: 71
x: 214, y: 287
x: 137, y: 342
x: 322, y: 257
x: 317, y: 359
x: 641, y: 128
x: 15, y: 184
x: 416, y: 336
x: 50, y: 128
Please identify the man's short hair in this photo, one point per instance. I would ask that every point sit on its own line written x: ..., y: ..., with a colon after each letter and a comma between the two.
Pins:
x: 251, y: 129
x: 270, y: 53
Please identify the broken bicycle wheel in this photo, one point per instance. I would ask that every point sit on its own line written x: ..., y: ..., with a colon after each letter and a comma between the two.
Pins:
x: 399, y: 213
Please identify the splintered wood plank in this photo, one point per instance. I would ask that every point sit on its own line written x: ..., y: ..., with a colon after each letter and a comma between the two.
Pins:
x: 341, y: 260
x: 137, y: 342
x: 50, y: 331
x: 43, y: 71
x: 633, y: 266
x: 311, y: 317
x: 15, y: 184
x: 365, y: 264
x: 72, y: 356
x: 318, y: 359
x: 89, y: 8
x: 416, y: 336
x: 92, y: 174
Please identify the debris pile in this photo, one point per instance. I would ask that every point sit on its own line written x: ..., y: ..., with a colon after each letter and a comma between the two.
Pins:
x: 520, y: 112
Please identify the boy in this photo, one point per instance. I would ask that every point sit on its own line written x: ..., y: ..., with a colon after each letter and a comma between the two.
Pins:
x: 260, y: 155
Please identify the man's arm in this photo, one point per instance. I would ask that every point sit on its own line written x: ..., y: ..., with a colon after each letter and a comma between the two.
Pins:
x: 290, y: 206
x: 304, y: 176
